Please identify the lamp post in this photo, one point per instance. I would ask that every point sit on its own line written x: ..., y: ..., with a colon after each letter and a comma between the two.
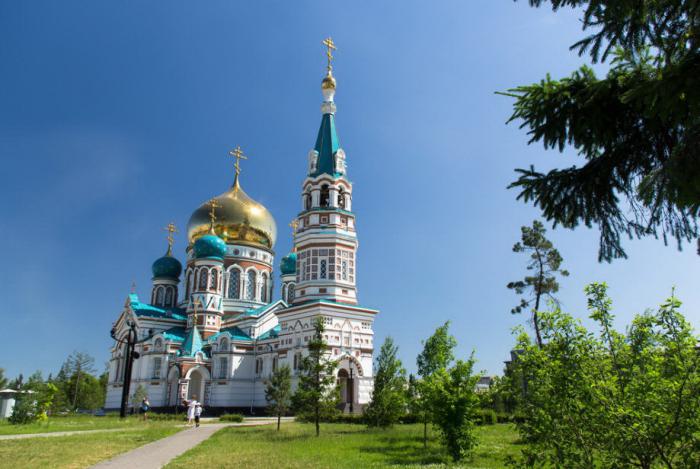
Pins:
x: 129, y: 356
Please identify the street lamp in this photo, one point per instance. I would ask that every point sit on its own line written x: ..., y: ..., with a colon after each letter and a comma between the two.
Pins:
x: 129, y: 356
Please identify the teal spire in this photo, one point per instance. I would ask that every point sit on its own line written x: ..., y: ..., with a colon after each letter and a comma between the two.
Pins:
x: 192, y: 344
x: 327, y: 145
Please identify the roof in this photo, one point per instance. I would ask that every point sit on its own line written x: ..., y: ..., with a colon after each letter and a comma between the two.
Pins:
x: 271, y: 334
x: 144, y: 309
x: 234, y: 333
x: 328, y: 301
x: 193, y: 343
x: 176, y: 334
x: 326, y: 145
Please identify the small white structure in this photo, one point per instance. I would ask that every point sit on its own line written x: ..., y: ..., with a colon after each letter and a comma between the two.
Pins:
x: 7, y: 402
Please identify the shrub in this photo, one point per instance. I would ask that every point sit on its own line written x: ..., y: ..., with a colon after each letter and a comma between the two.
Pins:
x: 24, y: 411
x: 488, y: 417
x: 165, y: 417
x: 231, y: 418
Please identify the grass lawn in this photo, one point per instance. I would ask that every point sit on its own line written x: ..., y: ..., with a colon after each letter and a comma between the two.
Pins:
x: 79, y: 451
x: 341, y: 446
x: 71, y: 423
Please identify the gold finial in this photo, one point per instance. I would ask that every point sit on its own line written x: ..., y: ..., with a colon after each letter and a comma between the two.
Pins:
x: 294, y: 224
x: 330, y: 45
x: 238, y: 154
x: 213, y: 205
x: 170, y: 229
x: 196, y: 302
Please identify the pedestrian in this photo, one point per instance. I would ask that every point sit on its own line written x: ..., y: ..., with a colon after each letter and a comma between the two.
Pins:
x: 145, y: 407
x: 191, y: 406
x: 197, y: 413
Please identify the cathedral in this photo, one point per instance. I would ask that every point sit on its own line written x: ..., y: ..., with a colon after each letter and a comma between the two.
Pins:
x: 217, y: 331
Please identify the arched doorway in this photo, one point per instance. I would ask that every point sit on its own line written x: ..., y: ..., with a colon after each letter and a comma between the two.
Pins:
x: 346, y: 386
x: 173, y: 386
x: 196, y: 386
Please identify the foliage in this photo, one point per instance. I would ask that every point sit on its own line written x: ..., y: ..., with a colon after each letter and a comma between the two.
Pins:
x: 278, y: 392
x: 140, y: 393
x: 637, y: 128
x: 388, y: 402
x: 34, y: 402
x: 156, y: 417
x: 611, y: 399
x: 438, y: 353
x: 77, y: 387
x: 545, y: 261
x: 237, y: 418
x: 23, y: 411
x: 17, y: 383
x: 3, y: 379
x: 316, y: 394
x: 454, y: 406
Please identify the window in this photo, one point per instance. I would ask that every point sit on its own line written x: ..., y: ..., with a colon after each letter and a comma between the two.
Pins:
x: 169, y: 296
x: 234, y: 284
x: 344, y: 269
x: 263, y: 292
x: 290, y: 293
x: 327, y: 320
x: 158, y: 346
x: 203, y: 277
x: 223, y: 346
x: 323, y: 268
x: 214, y: 283
x: 297, y: 360
x: 157, y: 362
x: 341, y: 198
x: 324, y: 220
x: 159, y: 296
x: 325, y: 195
x: 223, y: 367
x: 258, y: 366
x: 307, y: 201
x: 250, y: 285
x: 274, y: 364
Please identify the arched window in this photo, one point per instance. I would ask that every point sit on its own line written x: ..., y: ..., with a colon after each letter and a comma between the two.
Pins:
x: 263, y: 290
x: 188, y: 284
x: 169, y: 296
x: 341, y: 198
x: 307, y: 201
x: 158, y: 346
x: 203, y: 278
x: 159, y: 296
x: 214, y: 284
x: 234, y: 284
x: 223, y: 347
x: 325, y: 195
x: 250, y: 285
x: 290, y: 293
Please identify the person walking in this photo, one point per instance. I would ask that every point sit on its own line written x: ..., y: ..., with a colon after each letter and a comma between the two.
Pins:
x: 197, y: 414
x: 191, y: 407
x: 145, y: 407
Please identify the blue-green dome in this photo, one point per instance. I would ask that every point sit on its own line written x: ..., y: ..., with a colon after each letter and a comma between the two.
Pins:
x: 167, y: 267
x: 209, y: 246
x: 288, y: 264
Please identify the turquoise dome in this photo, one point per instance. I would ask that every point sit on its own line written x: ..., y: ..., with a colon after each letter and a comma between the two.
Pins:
x: 209, y: 246
x: 167, y: 267
x: 288, y: 264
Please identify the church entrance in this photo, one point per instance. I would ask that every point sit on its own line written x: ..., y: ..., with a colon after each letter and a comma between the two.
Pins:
x: 347, y: 387
x: 194, y: 390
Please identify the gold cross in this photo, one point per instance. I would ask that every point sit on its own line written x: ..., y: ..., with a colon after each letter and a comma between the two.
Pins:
x: 294, y: 224
x: 170, y: 229
x: 238, y: 154
x: 328, y: 42
x: 213, y: 205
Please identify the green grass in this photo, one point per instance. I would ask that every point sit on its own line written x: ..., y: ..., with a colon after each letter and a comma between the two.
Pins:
x: 342, y: 446
x: 70, y: 423
x: 78, y: 451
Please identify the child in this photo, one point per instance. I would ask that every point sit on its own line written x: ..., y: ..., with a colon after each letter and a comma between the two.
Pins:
x: 197, y: 413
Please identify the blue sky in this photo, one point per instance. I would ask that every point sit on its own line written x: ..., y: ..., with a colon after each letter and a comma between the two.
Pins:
x: 116, y: 118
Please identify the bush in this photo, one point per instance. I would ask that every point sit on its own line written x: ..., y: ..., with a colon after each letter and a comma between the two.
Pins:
x: 411, y: 418
x: 165, y: 417
x: 24, y: 411
x: 231, y: 418
x: 488, y: 417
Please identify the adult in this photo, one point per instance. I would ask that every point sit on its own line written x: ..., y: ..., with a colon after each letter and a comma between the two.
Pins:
x: 191, y: 409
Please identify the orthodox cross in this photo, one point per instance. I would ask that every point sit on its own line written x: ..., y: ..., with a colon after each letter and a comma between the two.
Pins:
x: 328, y: 42
x: 238, y: 154
x: 197, y: 302
x: 294, y: 224
x: 213, y: 205
x: 170, y: 229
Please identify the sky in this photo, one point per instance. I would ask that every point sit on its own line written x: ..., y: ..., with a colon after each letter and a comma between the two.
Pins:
x: 116, y: 118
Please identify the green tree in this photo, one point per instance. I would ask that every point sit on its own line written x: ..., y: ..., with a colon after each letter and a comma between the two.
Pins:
x: 78, y: 365
x: 278, y: 392
x: 34, y: 401
x: 611, y: 399
x: 437, y: 354
x: 77, y: 387
x: 637, y: 127
x: 17, y: 383
x: 316, y: 396
x: 545, y: 263
x: 454, y: 405
x: 388, y: 402
x: 3, y: 379
x: 140, y: 393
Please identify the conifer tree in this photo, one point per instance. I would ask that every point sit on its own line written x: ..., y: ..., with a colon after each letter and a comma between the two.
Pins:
x: 278, y: 392
x: 545, y: 263
x: 3, y: 379
x: 316, y: 396
x: 388, y: 402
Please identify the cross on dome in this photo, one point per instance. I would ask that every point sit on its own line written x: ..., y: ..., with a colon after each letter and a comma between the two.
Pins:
x: 213, y: 205
x: 170, y: 229
x: 330, y: 45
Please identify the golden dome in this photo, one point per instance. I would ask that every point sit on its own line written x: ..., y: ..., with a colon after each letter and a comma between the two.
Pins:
x: 328, y: 82
x: 239, y: 219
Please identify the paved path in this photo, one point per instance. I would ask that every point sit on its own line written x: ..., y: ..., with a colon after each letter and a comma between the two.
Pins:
x: 69, y: 433
x: 158, y: 453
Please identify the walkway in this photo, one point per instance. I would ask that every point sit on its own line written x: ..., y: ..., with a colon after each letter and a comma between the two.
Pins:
x: 158, y: 453
x: 69, y: 433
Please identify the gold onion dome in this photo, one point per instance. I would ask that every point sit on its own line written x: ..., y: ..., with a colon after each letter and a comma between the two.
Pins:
x: 239, y: 220
x: 328, y: 82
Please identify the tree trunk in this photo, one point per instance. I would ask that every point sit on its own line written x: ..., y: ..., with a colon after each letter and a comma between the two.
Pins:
x: 75, y: 393
x: 536, y: 321
x: 318, y: 417
x: 279, y: 418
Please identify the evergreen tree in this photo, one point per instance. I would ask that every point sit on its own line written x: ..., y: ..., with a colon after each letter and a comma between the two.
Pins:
x: 437, y: 354
x: 78, y: 365
x: 545, y: 263
x: 17, y: 383
x: 637, y: 127
x: 278, y: 392
x: 316, y: 396
x: 3, y: 379
x: 388, y: 402
x: 454, y: 404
